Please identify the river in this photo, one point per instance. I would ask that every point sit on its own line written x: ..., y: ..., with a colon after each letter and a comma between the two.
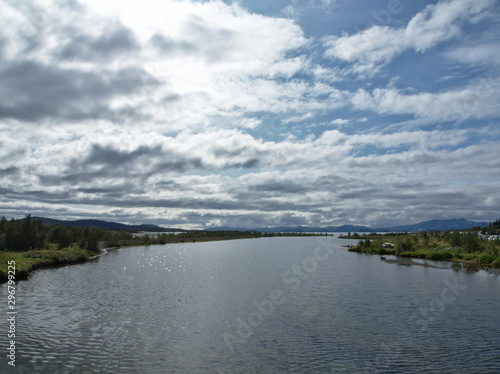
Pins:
x: 268, y: 305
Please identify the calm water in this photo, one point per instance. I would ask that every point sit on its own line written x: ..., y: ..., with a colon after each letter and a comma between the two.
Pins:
x: 270, y: 305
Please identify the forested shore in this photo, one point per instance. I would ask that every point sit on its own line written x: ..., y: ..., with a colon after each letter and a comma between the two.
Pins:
x: 480, y: 245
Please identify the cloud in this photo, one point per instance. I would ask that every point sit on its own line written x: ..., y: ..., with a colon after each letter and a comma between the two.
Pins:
x: 32, y: 91
x: 378, y: 45
x: 111, y: 42
x: 174, y: 64
x: 8, y: 171
x: 340, y: 122
x: 167, y: 45
x: 472, y: 102
x: 483, y: 54
x: 302, y: 180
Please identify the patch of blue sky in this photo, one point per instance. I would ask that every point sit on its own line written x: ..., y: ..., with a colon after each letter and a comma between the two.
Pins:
x: 363, y: 150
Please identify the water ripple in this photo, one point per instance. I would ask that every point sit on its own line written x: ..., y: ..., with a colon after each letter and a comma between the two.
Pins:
x: 171, y: 309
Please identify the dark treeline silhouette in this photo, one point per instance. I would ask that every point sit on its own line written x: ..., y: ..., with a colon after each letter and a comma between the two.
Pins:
x: 492, y: 229
x: 29, y: 233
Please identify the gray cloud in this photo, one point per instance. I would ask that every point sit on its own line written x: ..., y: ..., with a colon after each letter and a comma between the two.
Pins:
x: 290, y: 219
x: 9, y: 171
x: 3, y: 43
x: 104, y: 163
x: 113, y: 42
x: 281, y: 187
x: 34, y: 195
x: 110, y: 192
x: 108, y: 163
x: 109, y: 157
x: 32, y: 91
x: 168, y: 45
x: 216, y: 42
x: 212, y: 43
x: 248, y: 164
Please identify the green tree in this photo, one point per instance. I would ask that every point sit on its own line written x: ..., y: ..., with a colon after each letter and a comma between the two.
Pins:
x: 471, y: 242
x: 425, y: 236
x: 32, y: 231
x: 62, y: 236
x: 365, y: 244
x: 3, y: 224
x: 404, y: 245
x: 23, y: 235
x: 92, y: 241
x: 3, y: 246
x: 455, y: 239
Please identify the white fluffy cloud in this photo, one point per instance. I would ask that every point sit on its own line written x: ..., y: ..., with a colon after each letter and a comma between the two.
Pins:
x: 483, y: 54
x: 379, y: 45
x: 473, y: 102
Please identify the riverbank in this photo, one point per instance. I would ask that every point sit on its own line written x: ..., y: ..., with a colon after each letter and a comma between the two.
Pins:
x: 465, y: 248
x: 456, y: 264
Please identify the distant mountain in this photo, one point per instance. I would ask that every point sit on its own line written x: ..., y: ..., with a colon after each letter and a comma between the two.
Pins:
x: 344, y: 228
x: 226, y: 228
x: 95, y: 223
x: 437, y: 225
x: 433, y: 225
x: 347, y: 228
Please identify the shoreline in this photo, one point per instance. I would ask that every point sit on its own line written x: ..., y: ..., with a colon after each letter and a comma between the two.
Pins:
x: 407, y: 258
x: 28, y: 261
x: 467, y: 265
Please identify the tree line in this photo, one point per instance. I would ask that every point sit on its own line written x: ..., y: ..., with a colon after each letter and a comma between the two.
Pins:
x: 492, y: 229
x: 29, y: 233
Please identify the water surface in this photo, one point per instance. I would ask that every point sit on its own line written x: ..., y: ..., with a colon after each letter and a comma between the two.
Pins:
x: 269, y: 305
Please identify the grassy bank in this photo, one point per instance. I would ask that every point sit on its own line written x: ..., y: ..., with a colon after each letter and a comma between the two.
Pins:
x: 465, y: 245
x: 38, y: 258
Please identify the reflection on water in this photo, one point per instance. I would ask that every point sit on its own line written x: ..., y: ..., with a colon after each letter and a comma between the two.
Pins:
x: 270, y: 305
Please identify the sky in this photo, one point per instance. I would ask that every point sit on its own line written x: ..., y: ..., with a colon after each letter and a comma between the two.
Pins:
x: 252, y: 113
